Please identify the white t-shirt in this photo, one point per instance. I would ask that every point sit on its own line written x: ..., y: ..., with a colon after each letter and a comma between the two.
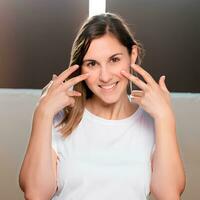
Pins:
x: 105, y: 159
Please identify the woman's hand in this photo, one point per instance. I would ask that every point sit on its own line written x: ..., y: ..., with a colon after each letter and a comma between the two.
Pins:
x: 153, y: 98
x: 44, y: 89
x: 57, y: 94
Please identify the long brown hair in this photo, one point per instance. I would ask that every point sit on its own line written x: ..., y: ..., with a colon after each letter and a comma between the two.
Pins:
x: 94, y: 27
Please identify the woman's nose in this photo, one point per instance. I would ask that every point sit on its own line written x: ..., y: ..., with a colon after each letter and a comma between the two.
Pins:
x: 105, y: 75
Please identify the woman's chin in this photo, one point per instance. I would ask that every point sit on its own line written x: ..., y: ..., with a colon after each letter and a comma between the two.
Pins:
x: 109, y: 99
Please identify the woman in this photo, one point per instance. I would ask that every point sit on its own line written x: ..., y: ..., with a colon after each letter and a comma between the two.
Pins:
x: 111, y: 142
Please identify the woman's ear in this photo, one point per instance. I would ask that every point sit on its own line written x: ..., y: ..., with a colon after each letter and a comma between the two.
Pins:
x: 134, y: 54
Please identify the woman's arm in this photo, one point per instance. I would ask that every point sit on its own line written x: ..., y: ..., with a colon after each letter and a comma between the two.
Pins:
x: 37, y: 175
x: 168, y: 178
x: 38, y: 172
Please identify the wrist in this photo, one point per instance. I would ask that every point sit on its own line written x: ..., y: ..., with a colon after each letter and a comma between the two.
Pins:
x: 43, y: 112
x: 167, y: 116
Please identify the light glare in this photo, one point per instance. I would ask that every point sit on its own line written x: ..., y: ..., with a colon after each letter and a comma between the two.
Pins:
x: 97, y: 7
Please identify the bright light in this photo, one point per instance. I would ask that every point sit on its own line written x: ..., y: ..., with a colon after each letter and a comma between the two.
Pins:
x: 97, y: 7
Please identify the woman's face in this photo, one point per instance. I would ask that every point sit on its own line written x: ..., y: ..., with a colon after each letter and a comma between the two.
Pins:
x: 104, y: 60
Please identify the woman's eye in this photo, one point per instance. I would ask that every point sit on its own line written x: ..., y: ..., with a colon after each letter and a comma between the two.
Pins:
x: 116, y: 59
x: 91, y: 64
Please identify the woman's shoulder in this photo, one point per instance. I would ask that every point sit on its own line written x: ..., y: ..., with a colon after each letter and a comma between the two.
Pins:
x: 145, y: 119
x: 145, y: 116
x: 56, y: 126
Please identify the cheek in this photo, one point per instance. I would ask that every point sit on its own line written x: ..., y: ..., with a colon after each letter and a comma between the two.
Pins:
x: 90, y: 81
x: 84, y: 70
x: 125, y: 67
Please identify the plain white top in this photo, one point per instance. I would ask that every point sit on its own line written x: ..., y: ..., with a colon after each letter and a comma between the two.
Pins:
x: 105, y: 159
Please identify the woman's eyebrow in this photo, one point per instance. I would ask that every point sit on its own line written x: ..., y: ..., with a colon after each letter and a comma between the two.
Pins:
x: 86, y: 60
x: 116, y: 54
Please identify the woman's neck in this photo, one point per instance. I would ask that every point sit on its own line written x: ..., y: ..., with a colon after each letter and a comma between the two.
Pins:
x: 119, y: 110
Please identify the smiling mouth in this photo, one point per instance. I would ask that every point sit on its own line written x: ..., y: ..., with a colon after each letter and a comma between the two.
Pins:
x: 108, y: 87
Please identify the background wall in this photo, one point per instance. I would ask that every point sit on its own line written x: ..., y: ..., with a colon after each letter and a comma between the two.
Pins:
x: 16, y: 112
x: 35, y: 42
x: 170, y: 33
x: 36, y: 39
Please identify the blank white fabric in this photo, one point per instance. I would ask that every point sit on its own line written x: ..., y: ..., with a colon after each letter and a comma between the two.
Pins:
x: 105, y: 159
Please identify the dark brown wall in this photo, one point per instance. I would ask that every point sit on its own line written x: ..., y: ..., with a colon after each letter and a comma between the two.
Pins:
x: 170, y: 33
x: 36, y: 39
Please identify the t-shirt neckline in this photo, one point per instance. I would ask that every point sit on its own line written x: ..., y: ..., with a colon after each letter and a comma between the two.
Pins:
x: 88, y: 114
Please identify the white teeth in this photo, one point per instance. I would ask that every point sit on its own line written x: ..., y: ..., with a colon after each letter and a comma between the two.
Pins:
x: 109, y: 86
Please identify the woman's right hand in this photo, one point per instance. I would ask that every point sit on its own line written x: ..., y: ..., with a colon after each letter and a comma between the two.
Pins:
x: 57, y: 94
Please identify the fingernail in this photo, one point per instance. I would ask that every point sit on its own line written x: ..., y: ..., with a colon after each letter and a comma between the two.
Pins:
x: 132, y: 64
x: 75, y: 66
x: 54, y: 76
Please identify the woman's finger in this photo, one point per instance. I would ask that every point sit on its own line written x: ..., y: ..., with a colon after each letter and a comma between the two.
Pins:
x: 139, y: 83
x: 137, y: 93
x: 72, y: 102
x: 73, y: 93
x: 147, y: 77
x: 54, y: 76
x: 61, y: 78
x: 46, y: 87
x: 75, y: 80
x: 136, y: 100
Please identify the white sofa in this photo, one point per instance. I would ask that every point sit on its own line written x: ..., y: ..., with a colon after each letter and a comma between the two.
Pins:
x: 16, y: 110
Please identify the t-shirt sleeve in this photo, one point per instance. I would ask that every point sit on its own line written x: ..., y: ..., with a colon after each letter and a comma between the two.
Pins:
x: 54, y: 142
x: 56, y: 137
x: 153, y: 149
x: 149, y: 133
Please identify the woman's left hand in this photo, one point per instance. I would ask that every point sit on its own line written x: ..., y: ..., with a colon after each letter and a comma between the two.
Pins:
x: 153, y: 97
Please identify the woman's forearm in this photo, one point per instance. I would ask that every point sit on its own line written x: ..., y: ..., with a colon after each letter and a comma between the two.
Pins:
x: 36, y: 176
x: 168, y: 177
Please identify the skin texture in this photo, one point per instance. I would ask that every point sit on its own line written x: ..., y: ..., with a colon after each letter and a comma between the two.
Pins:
x: 104, y: 68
